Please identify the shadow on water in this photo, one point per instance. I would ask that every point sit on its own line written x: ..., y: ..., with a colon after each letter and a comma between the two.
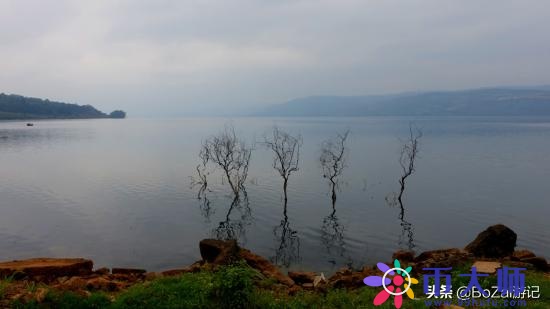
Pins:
x: 288, y: 242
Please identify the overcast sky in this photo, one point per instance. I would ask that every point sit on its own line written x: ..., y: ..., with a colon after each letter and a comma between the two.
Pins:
x: 177, y: 57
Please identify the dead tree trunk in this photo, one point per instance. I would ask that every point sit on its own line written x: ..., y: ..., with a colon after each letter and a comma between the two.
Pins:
x: 407, y: 160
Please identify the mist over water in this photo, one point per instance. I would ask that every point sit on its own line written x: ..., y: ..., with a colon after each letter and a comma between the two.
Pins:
x: 119, y: 191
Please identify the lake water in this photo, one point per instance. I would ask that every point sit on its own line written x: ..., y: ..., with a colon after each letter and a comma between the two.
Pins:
x: 118, y: 191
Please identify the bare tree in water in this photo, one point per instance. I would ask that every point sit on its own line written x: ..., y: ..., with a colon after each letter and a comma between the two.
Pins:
x: 287, y: 154
x: 333, y: 160
x: 407, y: 160
x: 230, y: 154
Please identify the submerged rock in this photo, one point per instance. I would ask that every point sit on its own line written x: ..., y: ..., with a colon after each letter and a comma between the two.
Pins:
x: 496, y: 241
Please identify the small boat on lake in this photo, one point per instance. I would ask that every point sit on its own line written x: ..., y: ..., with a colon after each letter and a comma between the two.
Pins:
x: 30, y: 124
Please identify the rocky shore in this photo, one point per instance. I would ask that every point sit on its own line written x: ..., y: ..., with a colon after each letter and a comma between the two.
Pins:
x: 491, y: 248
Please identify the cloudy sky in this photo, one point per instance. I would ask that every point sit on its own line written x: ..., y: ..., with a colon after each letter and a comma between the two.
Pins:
x: 162, y: 57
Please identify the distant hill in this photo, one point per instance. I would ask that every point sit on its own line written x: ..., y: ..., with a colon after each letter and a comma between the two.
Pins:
x: 19, y: 107
x: 505, y: 101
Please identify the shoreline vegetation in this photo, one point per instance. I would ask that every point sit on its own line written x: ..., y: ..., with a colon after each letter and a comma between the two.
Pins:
x: 16, y: 107
x: 232, y: 277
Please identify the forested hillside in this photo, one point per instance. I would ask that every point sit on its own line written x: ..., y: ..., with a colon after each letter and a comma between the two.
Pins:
x: 19, y: 107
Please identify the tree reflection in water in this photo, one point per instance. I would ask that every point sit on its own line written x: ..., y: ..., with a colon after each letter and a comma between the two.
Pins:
x: 332, y: 234
x: 407, y: 232
x: 333, y: 161
x: 232, y: 228
x: 288, y: 250
x: 406, y: 239
x: 204, y: 205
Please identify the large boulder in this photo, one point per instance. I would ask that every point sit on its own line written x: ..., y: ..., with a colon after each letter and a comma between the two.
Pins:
x: 46, y: 269
x: 496, y: 241
x: 219, y: 252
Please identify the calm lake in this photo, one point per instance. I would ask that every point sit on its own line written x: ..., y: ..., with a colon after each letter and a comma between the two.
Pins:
x: 119, y: 191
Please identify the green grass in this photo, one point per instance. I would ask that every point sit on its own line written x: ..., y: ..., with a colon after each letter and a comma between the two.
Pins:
x: 3, y: 286
x: 4, y: 283
x: 67, y: 300
x: 242, y: 287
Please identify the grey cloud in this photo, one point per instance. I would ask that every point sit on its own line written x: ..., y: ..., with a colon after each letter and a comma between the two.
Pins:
x: 190, y: 56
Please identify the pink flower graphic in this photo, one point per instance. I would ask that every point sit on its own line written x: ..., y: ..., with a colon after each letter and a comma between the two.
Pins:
x: 392, y: 286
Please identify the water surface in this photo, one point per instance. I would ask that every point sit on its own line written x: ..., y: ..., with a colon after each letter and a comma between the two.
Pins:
x: 118, y: 191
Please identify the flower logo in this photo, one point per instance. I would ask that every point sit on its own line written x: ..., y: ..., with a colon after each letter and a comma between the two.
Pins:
x: 391, y: 281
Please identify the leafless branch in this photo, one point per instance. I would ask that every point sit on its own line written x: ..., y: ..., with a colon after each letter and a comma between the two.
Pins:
x: 407, y: 160
x: 287, y: 153
x: 231, y: 155
x: 333, y: 160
